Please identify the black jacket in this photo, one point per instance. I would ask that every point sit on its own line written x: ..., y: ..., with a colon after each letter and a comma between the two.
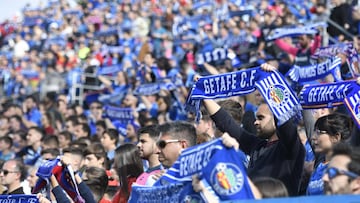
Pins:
x: 282, y: 159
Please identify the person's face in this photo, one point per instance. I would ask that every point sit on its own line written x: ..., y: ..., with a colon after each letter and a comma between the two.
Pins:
x: 96, y: 110
x: 106, y: 140
x: 63, y: 142
x: 32, y: 178
x: 9, y: 174
x: 322, y: 142
x: 33, y: 137
x: 4, y: 124
x: 303, y: 41
x: 99, y: 130
x: 340, y: 183
x: 130, y: 131
x: 147, y: 146
x: 75, y: 160
x: 264, y: 123
x: 3, y: 145
x: 169, y: 153
x: 69, y: 127
x: 92, y: 161
x: 29, y: 104
x: 45, y: 121
x: 203, y: 126
x: 14, y: 124
x: 79, y: 132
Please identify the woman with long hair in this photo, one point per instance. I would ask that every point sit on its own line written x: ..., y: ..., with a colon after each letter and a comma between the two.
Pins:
x: 128, y: 166
x: 329, y: 130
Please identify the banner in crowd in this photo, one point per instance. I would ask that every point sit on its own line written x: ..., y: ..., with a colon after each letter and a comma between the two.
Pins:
x: 220, y: 166
x: 348, y: 49
x: 330, y: 51
x: 18, y: 199
x: 154, y: 88
x: 310, y: 28
x: 317, y: 71
x: 281, y: 99
x: 332, y: 95
x: 109, y: 70
x: 124, y: 115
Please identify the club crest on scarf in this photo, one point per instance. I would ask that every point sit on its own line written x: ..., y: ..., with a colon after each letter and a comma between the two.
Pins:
x: 227, y: 179
x: 277, y: 95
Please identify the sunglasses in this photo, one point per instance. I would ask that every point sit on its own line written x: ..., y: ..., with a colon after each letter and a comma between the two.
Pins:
x: 162, y: 143
x: 332, y: 172
x: 5, y: 172
x: 96, y: 107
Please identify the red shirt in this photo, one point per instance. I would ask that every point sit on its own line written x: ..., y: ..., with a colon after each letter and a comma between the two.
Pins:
x: 120, y: 197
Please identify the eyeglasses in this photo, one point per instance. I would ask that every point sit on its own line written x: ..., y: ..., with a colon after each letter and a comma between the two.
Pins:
x: 162, y: 143
x: 320, y: 132
x: 5, y: 172
x: 96, y: 107
x: 332, y: 172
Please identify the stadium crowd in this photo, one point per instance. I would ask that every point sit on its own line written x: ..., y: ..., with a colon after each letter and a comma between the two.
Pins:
x: 122, y: 132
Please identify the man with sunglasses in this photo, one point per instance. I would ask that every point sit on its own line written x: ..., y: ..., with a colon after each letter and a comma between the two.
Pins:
x: 174, y: 137
x: 12, y: 174
x: 342, y: 175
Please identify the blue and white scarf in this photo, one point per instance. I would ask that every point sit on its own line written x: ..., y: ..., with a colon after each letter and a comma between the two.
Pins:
x: 221, y: 167
x: 331, y: 95
x: 217, y: 54
x: 19, y: 198
x: 123, y: 115
x: 313, y: 72
x: 330, y: 51
x: 295, y: 31
x: 109, y: 70
x: 281, y: 99
x: 154, y: 88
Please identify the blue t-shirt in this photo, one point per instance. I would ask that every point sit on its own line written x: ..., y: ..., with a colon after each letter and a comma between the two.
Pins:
x: 316, y: 184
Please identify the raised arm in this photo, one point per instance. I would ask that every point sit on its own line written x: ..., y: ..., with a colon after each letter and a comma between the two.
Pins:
x: 225, y: 123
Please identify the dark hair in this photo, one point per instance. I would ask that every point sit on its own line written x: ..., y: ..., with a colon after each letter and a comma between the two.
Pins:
x: 53, y: 151
x: 82, y: 142
x: 86, y: 128
x: 73, y: 119
x: 96, y: 149
x: 270, y: 187
x: 233, y: 108
x: 334, y: 124
x: 38, y: 130
x: 8, y: 140
x: 66, y: 134
x: 180, y: 130
x: 127, y: 163
x: 74, y: 150
x: 101, y: 123
x: 152, y: 130
x: 50, y: 140
x: 113, y: 134
x: 97, y: 180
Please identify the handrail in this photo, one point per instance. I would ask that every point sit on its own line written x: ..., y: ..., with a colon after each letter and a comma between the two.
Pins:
x: 339, y: 27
